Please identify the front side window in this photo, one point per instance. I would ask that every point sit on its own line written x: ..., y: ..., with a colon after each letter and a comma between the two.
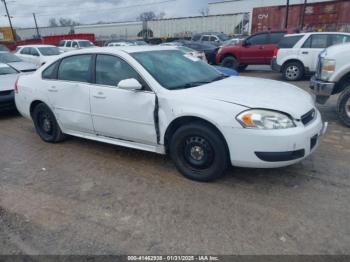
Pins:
x: 69, y: 44
x: 110, y: 70
x: 75, y: 68
x: 34, y: 52
x: 205, y: 38
x: 175, y: 70
x: 316, y: 41
x: 340, y: 39
x: 260, y: 39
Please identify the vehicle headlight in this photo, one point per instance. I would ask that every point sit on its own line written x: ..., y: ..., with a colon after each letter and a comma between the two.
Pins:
x: 265, y: 119
x: 328, y: 68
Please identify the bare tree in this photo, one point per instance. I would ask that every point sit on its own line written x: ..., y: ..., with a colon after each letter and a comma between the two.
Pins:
x: 62, y: 22
x: 53, y: 22
x: 149, y: 16
x: 204, y: 11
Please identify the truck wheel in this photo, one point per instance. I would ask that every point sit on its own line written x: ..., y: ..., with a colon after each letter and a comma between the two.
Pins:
x: 230, y: 62
x: 293, y: 71
x: 199, y: 152
x: 343, y: 107
x: 46, y: 125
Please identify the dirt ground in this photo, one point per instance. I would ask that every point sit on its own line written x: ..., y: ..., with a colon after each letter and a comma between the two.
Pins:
x: 84, y: 197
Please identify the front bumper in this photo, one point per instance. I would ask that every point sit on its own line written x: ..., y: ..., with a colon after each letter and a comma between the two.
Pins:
x: 7, y: 100
x: 322, y: 89
x: 273, y: 148
x: 274, y: 66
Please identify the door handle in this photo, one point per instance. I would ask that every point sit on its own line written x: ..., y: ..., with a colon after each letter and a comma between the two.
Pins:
x: 305, y: 53
x: 53, y: 89
x: 100, y: 95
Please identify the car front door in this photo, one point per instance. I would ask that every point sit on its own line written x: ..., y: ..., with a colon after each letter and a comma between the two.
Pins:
x: 253, y: 50
x: 69, y: 94
x: 311, y: 49
x: 118, y: 113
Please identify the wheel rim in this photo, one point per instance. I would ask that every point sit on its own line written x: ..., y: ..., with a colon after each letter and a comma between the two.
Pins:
x: 198, y: 152
x: 292, y: 72
x: 229, y: 64
x: 45, y: 123
x: 347, y: 107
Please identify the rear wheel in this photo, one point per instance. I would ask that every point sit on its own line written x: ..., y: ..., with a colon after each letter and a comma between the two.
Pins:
x: 199, y: 152
x: 343, y: 107
x: 46, y: 124
x: 230, y: 62
x: 293, y: 71
x: 242, y: 67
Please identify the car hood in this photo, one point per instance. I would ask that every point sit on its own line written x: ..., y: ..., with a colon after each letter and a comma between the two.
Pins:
x: 7, y: 82
x: 23, y: 66
x: 257, y: 93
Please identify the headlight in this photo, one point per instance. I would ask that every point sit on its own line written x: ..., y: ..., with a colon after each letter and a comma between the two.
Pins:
x: 328, y: 68
x: 265, y: 119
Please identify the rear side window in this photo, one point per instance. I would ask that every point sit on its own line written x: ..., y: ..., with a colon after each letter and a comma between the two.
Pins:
x: 205, y: 38
x: 276, y: 37
x: 68, y: 43
x: 260, y: 39
x: 75, y: 68
x: 289, y: 41
x: 316, y: 41
x: 196, y: 37
x: 61, y: 43
x: 25, y: 51
x: 50, y: 72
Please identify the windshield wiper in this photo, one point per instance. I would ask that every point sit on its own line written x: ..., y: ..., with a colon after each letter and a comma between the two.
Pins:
x: 199, y: 83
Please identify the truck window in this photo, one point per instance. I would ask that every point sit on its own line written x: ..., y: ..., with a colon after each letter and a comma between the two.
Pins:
x: 289, y: 41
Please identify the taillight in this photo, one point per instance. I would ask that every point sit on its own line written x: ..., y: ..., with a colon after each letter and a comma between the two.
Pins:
x: 275, y: 52
x: 16, y: 86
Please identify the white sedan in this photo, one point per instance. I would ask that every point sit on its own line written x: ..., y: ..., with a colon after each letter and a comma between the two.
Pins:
x: 37, y: 54
x: 8, y: 77
x: 161, y: 100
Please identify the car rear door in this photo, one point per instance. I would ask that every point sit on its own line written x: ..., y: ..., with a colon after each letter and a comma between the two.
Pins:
x: 118, y: 113
x: 69, y: 94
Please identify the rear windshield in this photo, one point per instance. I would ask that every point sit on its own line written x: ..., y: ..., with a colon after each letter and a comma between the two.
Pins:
x: 289, y: 41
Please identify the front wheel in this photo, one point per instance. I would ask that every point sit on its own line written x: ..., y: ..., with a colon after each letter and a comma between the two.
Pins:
x: 293, y: 71
x: 46, y: 125
x: 343, y: 107
x: 199, y: 152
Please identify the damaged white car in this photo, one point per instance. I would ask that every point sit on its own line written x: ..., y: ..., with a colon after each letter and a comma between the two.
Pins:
x: 158, y: 99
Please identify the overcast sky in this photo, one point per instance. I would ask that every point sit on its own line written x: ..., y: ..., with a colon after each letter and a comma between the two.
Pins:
x: 92, y: 11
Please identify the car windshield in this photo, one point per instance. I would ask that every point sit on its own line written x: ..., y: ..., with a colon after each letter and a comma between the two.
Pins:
x: 6, y: 70
x: 175, y: 70
x: 49, y: 51
x: 9, y: 58
x: 85, y: 44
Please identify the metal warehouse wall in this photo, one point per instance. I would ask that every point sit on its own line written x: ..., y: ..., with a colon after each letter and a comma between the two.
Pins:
x: 181, y: 27
x: 30, y: 33
x: 128, y: 30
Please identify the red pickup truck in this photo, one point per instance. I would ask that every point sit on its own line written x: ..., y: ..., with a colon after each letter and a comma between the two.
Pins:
x: 258, y: 49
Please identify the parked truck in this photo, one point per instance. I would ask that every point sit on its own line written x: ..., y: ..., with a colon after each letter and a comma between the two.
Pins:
x: 332, y: 78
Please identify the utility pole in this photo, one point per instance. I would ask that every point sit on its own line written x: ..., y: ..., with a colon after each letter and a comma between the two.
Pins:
x: 9, y: 17
x: 303, y: 15
x: 287, y: 14
x: 36, y: 26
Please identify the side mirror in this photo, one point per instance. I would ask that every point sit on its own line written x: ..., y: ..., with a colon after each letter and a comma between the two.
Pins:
x: 130, y: 84
x: 245, y: 43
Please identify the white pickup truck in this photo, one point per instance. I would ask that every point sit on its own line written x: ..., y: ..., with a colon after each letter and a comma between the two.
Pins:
x: 333, y: 77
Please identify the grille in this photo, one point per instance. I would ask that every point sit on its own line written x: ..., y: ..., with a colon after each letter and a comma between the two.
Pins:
x: 5, y: 93
x: 308, y: 117
x: 318, y: 68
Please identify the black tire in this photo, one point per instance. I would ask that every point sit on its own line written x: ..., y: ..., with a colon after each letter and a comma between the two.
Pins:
x: 230, y: 62
x: 199, y: 152
x: 343, y: 107
x: 293, y: 71
x: 242, y: 67
x: 46, y: 124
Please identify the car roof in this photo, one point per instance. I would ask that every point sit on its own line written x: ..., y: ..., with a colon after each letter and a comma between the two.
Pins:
x: 75, y: 40
x: 319, y: 33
